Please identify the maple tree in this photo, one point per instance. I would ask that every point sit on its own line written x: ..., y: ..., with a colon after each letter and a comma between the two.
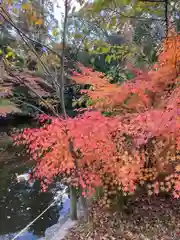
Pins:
x: 138, y: 145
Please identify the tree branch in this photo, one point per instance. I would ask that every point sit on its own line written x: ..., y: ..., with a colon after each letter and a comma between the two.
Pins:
x: 29, y: 104
x: 62, y: 60
x: 166, y: 16
x: 27, y: 37
x: 23, y: 36
x: 10, y: 21
x: 136, y: 17
x: 82, y: 40
x: 154, y: 1
x: 94, y: 25
x: 23, y: 82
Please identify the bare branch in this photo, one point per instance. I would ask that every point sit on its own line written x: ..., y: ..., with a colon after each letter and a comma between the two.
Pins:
x: 10, y: 21
x: 166, y: 17
x: 136, y: 17
x: 61, y: 78
x: 28, y: 104
x: 27, y: 37
x: 20, y: 80
x: 23, y: 36
x: 82, y: 40
x: 154, y: 1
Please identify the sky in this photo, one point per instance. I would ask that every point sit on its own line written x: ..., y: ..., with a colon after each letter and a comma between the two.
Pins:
x: 60, y: 9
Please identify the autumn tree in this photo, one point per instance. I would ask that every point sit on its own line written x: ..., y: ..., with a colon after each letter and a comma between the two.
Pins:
x: 136, y: 143
x: 137, y: 146
x: 56, y: 79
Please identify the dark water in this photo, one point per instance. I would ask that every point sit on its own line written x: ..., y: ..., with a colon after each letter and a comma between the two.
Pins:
x: 20, y: 203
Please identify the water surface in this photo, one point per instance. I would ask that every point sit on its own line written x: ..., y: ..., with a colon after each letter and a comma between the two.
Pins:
x: 20, y: 203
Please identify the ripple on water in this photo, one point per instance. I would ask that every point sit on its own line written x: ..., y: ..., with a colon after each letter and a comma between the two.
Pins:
x: 20, y: 204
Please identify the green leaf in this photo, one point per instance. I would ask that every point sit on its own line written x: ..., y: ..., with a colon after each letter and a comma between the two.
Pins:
x: 108, y: 58
x: 124, y: 2
x: 74, y: 103
x: 113, y: 21
x: 105, y: 50
x: 98, y: 5
x: 8, y: 48
x: 9, y: 54
x: 78, y: 35
x: 25, y: 6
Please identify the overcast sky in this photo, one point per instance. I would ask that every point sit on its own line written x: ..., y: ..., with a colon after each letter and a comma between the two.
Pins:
x: 60, y: 9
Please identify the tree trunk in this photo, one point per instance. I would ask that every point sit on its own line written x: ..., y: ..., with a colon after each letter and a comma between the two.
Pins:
x: 83, y: 202
x: 73, y: 194
x: 73, y: 201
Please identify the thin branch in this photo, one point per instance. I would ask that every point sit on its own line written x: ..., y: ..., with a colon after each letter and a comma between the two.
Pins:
x: 29, y: 104
x: 10, y: 21
x: 166, y: 17
x: 136, y: 17
x: 94, y: 25
x: 28, y: 38
x: 25, y: 38
x: 154, y: 1
x: 82, y: 40
x: 41, y: 80
x: 23, y: 82
x: 31, y: 48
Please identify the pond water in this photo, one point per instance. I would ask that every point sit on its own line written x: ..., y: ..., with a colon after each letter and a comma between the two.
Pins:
x: 21, y: 203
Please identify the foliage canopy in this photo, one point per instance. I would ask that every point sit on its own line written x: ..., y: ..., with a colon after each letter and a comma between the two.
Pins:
x: 138, y: 145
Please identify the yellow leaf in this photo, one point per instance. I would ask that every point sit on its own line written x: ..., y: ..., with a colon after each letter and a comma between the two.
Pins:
x: 10, y: 54
x: 39, y: 21
x: 6, y: 2
x: 54, y: 32
x: 178, y: 168
x: 25, y: 6
x: 9, y: 1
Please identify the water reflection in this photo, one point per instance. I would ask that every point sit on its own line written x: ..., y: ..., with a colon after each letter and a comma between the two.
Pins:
x: 20, y: 204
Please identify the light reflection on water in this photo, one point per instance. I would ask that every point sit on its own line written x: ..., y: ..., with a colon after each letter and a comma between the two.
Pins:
x: 20, y: 204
